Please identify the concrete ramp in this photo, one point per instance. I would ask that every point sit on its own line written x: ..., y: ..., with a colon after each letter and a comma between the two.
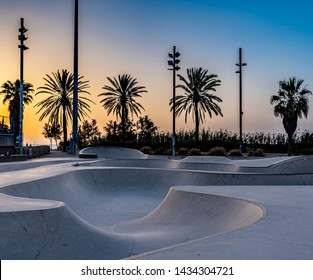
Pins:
x: 114, y: 152
x: 39, y: 229
x: 107, y: 213
x: 186, y: 215
x: 255, y: 162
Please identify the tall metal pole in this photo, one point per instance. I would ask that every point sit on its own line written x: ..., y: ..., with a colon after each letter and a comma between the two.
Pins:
x: 173, y: 62
x: 174, y: 105
x: 240, y: 98
x: 75, y: 93
x: 22, y: 48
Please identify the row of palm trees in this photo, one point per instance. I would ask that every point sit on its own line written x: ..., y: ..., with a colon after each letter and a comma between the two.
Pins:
x: 120, y: 99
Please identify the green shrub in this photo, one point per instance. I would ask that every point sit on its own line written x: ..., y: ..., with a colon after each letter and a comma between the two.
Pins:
x: 194, y: 152
x: 234, y: 153
x: 218, y: 151
x: 146, y: 150
x: 183, y: 151
x: 256, y: 153
x: 162, y: 151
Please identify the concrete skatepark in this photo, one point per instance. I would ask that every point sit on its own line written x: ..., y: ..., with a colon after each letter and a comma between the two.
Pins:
x: 127, y: 205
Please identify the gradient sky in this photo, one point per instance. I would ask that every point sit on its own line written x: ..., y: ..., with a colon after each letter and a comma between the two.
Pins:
x: 135, y: 36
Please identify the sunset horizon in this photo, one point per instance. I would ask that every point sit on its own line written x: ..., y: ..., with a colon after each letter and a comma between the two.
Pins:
x: 116, y: 37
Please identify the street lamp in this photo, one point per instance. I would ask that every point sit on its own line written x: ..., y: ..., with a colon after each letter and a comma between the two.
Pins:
x: 240, y: 65
x: 22, y: 48
x: 173, y: 63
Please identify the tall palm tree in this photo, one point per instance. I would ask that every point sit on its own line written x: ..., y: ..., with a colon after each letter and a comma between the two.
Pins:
x: 119, y: 98
x: 11, y: 93
x: 197, y: 98
x: 290, y: 103
x: 58, y: 106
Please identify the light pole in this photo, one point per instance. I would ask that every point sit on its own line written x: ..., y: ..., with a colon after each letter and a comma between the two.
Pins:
x: 22, y: 48
x: 174, y: 67
x: 240, y: 65
x: 75, y: 91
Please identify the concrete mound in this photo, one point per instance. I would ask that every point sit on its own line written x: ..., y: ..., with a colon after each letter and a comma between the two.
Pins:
x: 114, y: 152
x: 208, y: 159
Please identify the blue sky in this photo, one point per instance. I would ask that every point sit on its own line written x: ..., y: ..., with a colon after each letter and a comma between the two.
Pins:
x: 134, y: 37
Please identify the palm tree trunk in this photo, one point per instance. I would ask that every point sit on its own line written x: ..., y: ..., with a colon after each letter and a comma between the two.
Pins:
x: 64, y: 131
x: 290, y: 125
x: 124, y: 117
x: 290, y: 144
x: 196, y: 124
x: 123, y: 127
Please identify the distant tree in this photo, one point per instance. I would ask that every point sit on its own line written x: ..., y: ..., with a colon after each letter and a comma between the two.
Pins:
x: 111, y: 131
x: 88, y: 133
x: 58, y: 106
x: 114, y: 131
x: 290, y: 103
x: 11, y: 92
x: 47, y: 133
x: 197, y: 99
x: 120, y: 99
x: 146, y: 129
x: 52, y: 132
x: 56, y: 133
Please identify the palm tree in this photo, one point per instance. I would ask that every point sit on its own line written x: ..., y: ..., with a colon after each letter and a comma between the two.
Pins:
x: 11, y: 93
x: 290, y: 103
x: 197, y: 98
x: 119, y: 99
x: 58, y: 106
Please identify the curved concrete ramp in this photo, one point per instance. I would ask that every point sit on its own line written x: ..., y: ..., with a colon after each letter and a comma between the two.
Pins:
x: 55, y: 233
x: 108, y: 214
x: 186, y: 215
x: 256, y: 162
x: 114, y: 152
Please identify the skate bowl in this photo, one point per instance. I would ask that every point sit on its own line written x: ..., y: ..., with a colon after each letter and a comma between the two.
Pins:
x: 123, y: 205
x: 112, y: 213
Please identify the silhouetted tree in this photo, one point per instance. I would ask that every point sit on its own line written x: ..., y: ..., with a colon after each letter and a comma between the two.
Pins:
x: 58, y: 106
x: 111, y: 131
x: 120, y: 99
x: 52, y: 132
x: 11, y: 93
x: 114, y: 131
x: 290, y: 103
x: 198, y: 99
x: 146, y: 129
x: 88, y: 133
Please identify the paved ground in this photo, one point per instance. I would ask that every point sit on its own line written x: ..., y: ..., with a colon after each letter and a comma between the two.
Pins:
x: 127, y: 205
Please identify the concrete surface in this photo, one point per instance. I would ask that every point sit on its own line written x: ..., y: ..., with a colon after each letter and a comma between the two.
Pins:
x: 125, y: 205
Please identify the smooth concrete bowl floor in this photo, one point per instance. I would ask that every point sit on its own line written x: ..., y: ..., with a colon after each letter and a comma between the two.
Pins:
x: 133, y: 206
